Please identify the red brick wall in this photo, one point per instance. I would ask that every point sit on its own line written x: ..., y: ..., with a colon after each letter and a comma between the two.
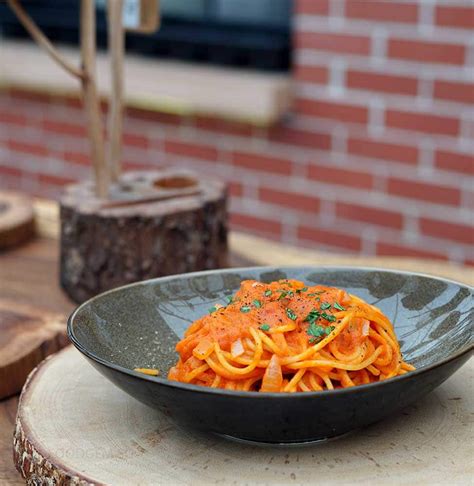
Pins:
x: 375, y: 158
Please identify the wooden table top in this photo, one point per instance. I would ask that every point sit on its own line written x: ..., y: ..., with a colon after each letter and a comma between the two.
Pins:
x: 30, y: 275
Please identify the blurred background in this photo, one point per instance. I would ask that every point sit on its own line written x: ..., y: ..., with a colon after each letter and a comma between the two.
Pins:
x: 343, y: 126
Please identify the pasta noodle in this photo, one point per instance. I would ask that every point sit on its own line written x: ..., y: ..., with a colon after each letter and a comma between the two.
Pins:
x: 288, y: 337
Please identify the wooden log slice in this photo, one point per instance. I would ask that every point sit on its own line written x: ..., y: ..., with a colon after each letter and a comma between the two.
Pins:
x: 27, y: 335
x: 16, y: 219
x: 154, y: 224
x: 75, y: 427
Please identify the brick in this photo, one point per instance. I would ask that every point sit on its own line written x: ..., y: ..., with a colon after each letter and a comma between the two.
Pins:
x: 29, y: 95
x: 28, y: 147
x: 191, y: 149
x: 135, y: 140
x: 422, y: 122
x: 461, y: 233
x: 434, y: 52
x: 223, y: 126
x: 10, y: 171
x: 332, y: 111
x: 344, y: 43
x: 364, y: 214
x: 385, y: 83
x: 153, y: 116
x: 454, y: 91
x: 13, y: 118
x: 77, y: 158
x: 339, y: 176
x: 365, y: 147
x: 235, y: 189
x: 454, y: 16
x: 393, y: 249
x: 65, y: 128
x: 263, y: 163
x: 455, y: 161
x: 255, y: 224
x: 312, y: 7
x: 301, y: 138
x: 329, y: 238
x: 55, y: 179
x: 382, y: 11
x: 289, y: 200
x: 424, y: 191
x: 311, y: 74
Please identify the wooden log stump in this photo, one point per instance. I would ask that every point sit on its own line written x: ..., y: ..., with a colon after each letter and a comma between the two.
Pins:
x: 74, y: 427
x: 27, y: 335
x: 154, y: 224
x: 16, y: 219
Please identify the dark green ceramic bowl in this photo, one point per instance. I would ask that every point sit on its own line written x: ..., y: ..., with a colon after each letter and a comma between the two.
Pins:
x: 138, y: 326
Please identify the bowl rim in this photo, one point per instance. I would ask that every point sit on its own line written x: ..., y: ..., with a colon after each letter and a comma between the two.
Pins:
x: 254, y: 394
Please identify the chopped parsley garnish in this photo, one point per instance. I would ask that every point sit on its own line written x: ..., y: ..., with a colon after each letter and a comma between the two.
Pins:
x: 312, y: 294
x: 285, y: 293
x: 257, y: 303
x: 312, y: 317
x: 265, y: 327
x: 318, y: 332
x: 291, y: 314
x: 304, y: 289
x: 268, y: 293
x: 338, y: 306
x: 212, y: 309
x: 315, y: 330
x: 325, y: 306
x: 229, y: 299
x: 328, y: 317
x: 245, y: 308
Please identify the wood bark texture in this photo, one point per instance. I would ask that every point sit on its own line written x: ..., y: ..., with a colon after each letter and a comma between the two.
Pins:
x: 154, y: 224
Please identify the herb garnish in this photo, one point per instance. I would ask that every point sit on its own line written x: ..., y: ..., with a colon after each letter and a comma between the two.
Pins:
x: 304, y: 289
x: 257, y: 303
x: 325, y: 306
x: 245, y: 308
x: 229, y: 299
x: 338, y: 306
x: 268, y: 293
x: 312, y: 317
x: 328, y: 317
x: 291, y: 314
x: 264, y: 327
x: 212, y: 309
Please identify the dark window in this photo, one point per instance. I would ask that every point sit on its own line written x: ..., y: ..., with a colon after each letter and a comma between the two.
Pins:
x: 246, y: 33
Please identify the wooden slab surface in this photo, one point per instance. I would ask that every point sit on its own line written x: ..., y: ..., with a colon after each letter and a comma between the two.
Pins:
x: 27, y: 335
x: 103, y: 436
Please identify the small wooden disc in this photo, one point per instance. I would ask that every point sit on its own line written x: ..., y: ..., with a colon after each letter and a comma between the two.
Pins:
x: 27, y: 335
x: 16, y: 219
x: 75, y: 427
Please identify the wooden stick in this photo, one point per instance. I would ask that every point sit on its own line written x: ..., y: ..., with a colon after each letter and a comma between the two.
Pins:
x: 91, y: 98
x: 116, y: 47
x: 42, y: 40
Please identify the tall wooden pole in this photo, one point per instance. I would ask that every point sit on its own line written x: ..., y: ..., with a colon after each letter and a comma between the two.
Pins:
x: 91, y: 98
x: 116, y: 48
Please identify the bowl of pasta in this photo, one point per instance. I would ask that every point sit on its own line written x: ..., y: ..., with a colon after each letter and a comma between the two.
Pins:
x: 279, y: 355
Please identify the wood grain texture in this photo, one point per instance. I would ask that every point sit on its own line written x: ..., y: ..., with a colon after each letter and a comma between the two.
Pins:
x: 27, y: 335
x: 124, y: 442
x: 16, y: 219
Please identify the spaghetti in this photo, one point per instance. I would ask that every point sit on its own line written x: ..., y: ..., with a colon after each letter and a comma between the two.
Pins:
x: 287, y: 337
